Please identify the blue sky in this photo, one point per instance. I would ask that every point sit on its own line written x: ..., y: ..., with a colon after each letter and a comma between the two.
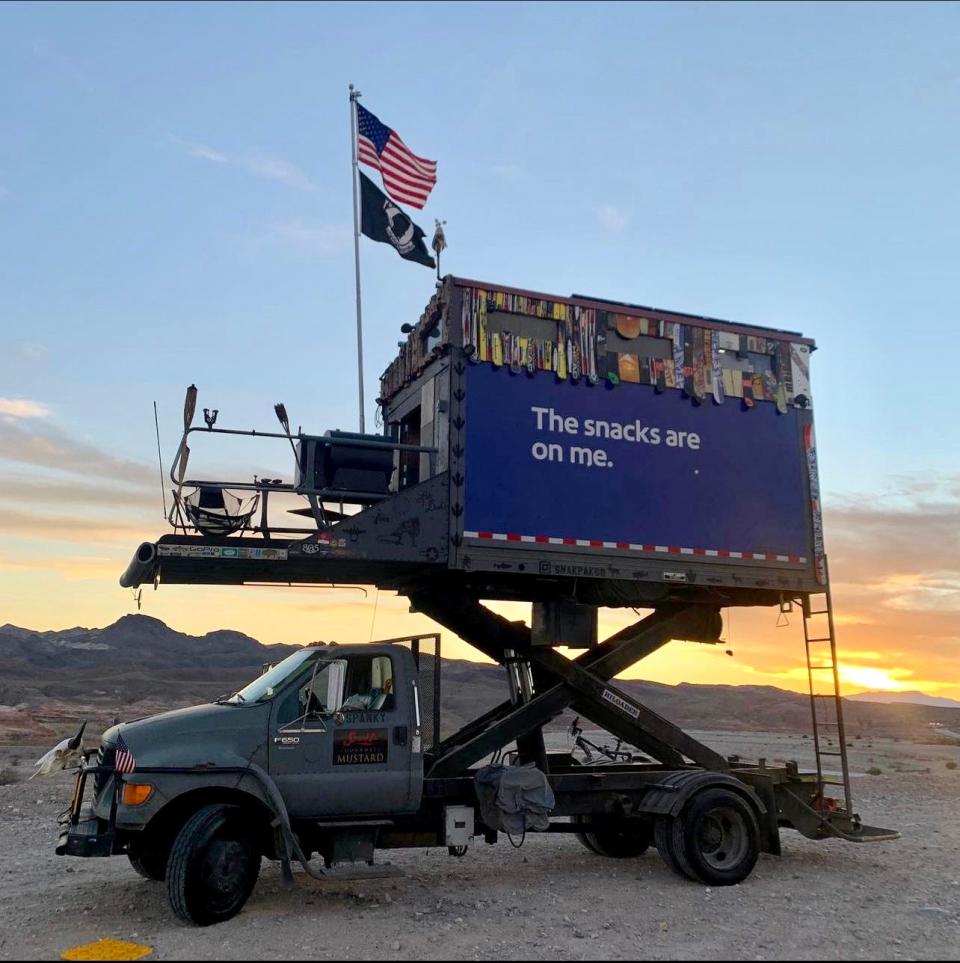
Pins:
x: 176, y: 198
x: 175, y: 203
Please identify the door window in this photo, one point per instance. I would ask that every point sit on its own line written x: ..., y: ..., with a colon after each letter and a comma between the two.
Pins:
x: 369, y: 684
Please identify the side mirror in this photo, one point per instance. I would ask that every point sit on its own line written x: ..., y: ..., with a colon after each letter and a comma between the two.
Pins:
x: 336, y: 676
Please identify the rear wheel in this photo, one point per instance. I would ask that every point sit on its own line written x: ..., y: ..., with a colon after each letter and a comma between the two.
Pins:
x: 623, y: 842
x: 213, y: 866
x: 715, y: 839
x: 663, y: 837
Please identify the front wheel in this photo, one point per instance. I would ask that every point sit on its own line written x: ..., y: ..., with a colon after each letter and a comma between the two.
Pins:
x: 213, y: 866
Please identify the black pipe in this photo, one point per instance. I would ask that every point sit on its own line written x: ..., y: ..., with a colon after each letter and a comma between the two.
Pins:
x: 142, y: 568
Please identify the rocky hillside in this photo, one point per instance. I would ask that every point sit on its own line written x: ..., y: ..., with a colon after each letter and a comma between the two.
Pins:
x: 139, y: 665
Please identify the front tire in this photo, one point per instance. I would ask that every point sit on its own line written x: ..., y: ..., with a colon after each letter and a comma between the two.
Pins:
x: 213, y: 866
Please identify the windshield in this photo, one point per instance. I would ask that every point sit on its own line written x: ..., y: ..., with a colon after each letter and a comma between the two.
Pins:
x: 272, y: 681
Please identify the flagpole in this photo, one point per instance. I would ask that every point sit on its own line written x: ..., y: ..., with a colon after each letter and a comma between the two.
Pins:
x: 354, y: 95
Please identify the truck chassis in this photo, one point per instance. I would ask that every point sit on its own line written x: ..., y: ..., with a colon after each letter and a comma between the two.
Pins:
x: 708, y: 816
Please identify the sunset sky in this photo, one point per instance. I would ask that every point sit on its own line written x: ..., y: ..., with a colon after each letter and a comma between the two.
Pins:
x: 175, y: 208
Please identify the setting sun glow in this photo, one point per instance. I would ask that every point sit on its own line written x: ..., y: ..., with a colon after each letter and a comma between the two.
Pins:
x: 869, y: 677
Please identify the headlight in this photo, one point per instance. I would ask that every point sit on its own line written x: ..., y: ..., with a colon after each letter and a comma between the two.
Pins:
x: 136, y: 793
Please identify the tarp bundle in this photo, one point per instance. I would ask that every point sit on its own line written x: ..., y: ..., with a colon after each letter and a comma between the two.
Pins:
x: 514, y: 799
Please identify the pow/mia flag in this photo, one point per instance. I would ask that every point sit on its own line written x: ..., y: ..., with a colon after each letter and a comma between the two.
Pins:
x: 382, y: 220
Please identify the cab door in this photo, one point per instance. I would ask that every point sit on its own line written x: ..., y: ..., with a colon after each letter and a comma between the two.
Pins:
x: 360, y: 761
x: 371, y: 752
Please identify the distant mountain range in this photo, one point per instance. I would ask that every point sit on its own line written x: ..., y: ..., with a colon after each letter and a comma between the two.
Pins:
x: 913, y: 698
x: 138, y: 665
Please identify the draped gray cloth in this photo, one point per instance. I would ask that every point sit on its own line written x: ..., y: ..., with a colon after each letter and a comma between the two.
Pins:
x: 514, y: 799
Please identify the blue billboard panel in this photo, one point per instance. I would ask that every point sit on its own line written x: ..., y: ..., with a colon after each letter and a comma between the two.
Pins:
x: 624, y: 467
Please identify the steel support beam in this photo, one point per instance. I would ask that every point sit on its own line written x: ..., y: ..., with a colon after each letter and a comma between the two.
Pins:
x: 627, y: 714
x: 580, y: 683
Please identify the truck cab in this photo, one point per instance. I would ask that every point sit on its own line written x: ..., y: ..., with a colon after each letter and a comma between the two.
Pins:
x: 330, y: 733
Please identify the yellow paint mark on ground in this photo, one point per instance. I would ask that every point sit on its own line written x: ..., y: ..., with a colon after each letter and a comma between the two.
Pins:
x: 107, y: 950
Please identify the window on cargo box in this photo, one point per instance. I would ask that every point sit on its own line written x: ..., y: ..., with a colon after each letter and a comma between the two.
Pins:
x: 522, y: 325
x: 643, y: 345
x: 746, y: 361
x: 369, y: 684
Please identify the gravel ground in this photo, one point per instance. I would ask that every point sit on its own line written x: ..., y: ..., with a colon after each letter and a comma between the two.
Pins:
x: 551, y: 899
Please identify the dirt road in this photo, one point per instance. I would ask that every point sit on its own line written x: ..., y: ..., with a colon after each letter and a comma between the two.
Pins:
x: 551, y: 899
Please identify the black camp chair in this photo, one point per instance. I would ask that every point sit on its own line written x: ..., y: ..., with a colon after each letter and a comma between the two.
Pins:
x: 217, y: 512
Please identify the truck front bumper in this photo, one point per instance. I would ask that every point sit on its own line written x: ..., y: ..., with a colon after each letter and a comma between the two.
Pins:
x: 87, y: 837
x: 82, y: 833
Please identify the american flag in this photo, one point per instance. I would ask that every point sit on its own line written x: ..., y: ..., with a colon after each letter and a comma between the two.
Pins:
x: 406, y: 176
x: 124, y: 762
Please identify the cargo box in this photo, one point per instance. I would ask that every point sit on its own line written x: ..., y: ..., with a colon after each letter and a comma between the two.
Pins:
x: 601, y: 441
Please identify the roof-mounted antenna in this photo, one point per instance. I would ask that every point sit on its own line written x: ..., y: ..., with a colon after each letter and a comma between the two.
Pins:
x: 163, y: 491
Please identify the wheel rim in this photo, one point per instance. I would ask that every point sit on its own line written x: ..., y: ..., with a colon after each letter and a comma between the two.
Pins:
x: 723, y: 838
x: 224, y: 872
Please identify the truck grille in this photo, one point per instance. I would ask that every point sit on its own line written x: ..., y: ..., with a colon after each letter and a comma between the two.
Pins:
x: 106, y: 756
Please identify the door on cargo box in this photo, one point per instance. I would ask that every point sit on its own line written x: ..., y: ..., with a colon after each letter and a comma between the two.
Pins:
x: 361, y: 765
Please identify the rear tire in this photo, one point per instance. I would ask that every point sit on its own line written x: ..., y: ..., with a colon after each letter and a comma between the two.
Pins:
x: 663, y: 838
x: 716, y: 838
x: 213, y: 866
x: 616, y: 843
x: 150, y: 864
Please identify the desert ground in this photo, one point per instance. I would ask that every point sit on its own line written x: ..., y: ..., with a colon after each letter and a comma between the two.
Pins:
x: 551, y: 899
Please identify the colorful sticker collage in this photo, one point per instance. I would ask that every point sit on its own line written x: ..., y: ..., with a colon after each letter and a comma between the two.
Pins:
x: 692, y: 364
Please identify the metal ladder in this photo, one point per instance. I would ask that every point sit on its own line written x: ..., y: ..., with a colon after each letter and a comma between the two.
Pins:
x: 829, y: 734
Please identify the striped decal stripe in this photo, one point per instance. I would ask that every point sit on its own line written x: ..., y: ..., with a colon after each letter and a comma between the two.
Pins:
x: 635, y: 547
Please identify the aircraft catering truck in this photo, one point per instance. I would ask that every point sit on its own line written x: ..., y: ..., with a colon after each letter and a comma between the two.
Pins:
x: 570, y: 452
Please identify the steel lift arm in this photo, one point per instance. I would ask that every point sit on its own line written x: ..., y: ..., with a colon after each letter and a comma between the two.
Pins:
x: 582, y: 684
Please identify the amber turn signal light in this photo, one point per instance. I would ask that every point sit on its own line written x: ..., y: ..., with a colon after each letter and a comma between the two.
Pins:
x: 136, y: 793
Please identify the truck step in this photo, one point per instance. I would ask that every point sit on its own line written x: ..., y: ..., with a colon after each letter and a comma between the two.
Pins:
x: 353, y: 824
x: 356, y: 871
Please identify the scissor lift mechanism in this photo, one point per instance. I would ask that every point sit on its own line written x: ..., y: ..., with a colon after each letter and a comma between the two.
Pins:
x: 782, y: 795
